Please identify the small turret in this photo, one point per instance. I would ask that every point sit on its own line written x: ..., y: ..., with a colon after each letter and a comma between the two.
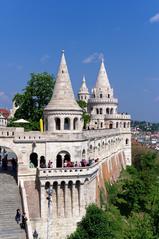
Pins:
x: 83, y: 93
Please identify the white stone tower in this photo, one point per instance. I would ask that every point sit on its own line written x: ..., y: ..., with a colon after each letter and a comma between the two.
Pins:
x: 83, y: 93
x: 63, y: 114
x: 102, y: 105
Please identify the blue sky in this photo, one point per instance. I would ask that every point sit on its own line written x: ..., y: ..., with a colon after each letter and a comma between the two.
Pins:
x: 125, y: 32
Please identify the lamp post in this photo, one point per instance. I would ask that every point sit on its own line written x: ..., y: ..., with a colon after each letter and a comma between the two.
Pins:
x: 49, y: 192
x: 35, y: 234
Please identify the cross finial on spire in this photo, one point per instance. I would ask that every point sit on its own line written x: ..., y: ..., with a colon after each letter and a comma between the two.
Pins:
x: 63, y: 51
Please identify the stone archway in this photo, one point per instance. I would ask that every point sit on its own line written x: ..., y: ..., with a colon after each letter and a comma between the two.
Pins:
x: 62, y: 159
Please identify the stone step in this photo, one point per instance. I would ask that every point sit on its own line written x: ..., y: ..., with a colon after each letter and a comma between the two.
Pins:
x: 10, y: 201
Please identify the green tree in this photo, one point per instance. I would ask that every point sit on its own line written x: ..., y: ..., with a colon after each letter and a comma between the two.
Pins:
x: 99, y: 224
x: 34, y: 98
x: 85, y: 116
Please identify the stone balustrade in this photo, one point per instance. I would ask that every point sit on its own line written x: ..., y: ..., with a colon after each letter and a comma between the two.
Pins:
x: 112, y: 116
x: 106, y: 101
x: 67, y: 174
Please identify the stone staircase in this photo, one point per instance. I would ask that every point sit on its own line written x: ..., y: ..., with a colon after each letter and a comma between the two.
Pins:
x: 9, y: 202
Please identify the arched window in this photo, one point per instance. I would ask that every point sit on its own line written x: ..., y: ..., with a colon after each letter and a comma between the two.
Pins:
x: 101, y: 95
x: 108, y: 95
x: 75, y: 123
x: 117, y: 124
x: 110, y: 125
x: 58, y: 123
x: 42, y: 162
x: 33, y: 160
x: 124, y: 125
x: 111, y: 111
x: 67, y: 124
x: 97, y: 111
x: 107, y: 110
x: 47, y: 185
x: 101, y: 111
x: 127, y: 141
x: 83, y: 154
x: 59, y: 161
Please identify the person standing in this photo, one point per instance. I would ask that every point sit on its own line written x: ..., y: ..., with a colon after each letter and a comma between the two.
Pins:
x: 18, y: 216
x: 24, y: 219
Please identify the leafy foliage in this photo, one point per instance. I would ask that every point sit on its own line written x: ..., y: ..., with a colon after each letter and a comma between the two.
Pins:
x: 85, y: 116
x: 34, y: 98
x: 132, y: 210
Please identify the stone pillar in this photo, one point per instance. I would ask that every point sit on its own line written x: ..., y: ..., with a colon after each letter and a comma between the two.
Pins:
x: 71, y: 124
x: 76, y: 199
x: 43, y: 202
x: 68, y: 199
x: 62, y: 123
x: 82, y: 199
x: 61, y: 200
x: 55, y: 200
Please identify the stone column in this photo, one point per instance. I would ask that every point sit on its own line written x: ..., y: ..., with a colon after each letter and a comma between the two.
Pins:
x: 62, y: 123
x: 76, y: 199
x: 68, y: 199
x: 61, y: 200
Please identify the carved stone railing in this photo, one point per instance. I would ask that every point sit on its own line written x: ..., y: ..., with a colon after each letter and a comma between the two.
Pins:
x: 67, y: 174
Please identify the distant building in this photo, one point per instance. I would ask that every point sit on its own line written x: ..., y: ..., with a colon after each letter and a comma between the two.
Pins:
x: 4, y: 114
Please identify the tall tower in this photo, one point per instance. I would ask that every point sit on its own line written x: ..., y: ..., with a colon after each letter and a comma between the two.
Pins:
x: 102, y: 105
x: 83, y: 93
x: 63, y: 114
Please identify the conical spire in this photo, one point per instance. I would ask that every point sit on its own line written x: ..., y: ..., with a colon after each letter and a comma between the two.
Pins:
x: 102, y: 79
x: 83, y: 88
x: 63, y: 96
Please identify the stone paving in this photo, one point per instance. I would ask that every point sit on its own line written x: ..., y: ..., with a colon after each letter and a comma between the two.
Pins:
x: 9, y: 202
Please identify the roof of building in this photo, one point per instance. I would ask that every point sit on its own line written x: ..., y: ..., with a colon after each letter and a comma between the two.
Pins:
x: 83, y: 88
x: 102, y: 78
x: 63, y: 97
x: 5, y: 112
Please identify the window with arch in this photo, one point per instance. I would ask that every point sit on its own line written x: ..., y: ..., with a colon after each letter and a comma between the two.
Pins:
x: 101, y: 95
x: 110, y: 125
x: 83, y: 154
x: 117, y: 124
x: 101, y: 124
x: 75, y: 123
x: 108, y: 95
x: 97, y: 111
x: 57, y: 123
x: 107, y: 110
x: 127, y: 141
x: 101, y: 111
x: 67, y: 124
x: 111, y: 111
x: 124, y: 125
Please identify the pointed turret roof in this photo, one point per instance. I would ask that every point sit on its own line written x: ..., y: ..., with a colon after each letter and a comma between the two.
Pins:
x: 83, y: 88
x: 102, y: 78
x: 63, y: 97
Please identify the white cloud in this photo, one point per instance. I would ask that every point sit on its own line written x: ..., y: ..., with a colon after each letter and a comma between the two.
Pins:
x: 44, y: 58
x: 154, y: 18
x: 93, y: 58
x: 3, y: 98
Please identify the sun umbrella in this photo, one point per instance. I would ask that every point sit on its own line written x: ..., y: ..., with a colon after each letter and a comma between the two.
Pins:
x: 21, y: 121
